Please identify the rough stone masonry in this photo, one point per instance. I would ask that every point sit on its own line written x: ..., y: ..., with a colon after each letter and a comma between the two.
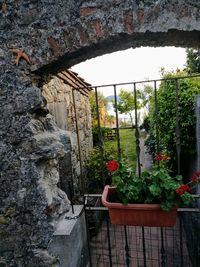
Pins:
x: 55, y: 35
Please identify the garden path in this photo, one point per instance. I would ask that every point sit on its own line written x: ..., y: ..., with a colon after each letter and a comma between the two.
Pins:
x: 145, y: 158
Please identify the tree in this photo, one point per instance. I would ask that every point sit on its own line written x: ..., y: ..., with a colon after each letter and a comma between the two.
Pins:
x: 102, y: 104
x: 193, y: 60
x: 126, y: 103
x: 145, y: 96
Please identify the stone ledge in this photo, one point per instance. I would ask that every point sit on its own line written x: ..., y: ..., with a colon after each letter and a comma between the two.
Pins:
x: 65, y: 226
x: 69, y: 241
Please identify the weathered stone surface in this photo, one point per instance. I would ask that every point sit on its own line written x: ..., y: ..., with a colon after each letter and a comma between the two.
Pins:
x: 30, y: 146
x: 60, y: 103
x: 64, y: 243
x: 73, y: 25
x: 58, y: 34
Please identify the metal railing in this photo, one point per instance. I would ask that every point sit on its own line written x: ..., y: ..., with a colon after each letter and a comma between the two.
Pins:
x: 112, y: 245
x: 134, y: 87
x: 127, y: 246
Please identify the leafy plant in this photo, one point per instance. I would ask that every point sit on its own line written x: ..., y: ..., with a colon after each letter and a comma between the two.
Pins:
x: 145, y: 124
x: 166, y: 112
x: 96, y: 175
x: 98, y: 133
x: 153, y: 187
x: 193, y: 60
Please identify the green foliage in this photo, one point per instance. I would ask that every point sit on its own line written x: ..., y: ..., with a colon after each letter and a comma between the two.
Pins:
x: 145, y: 124
x: 102, y: 103
x: 126, y: 103
x: 95, y: 166
x: 145, y: 95
x: 98, y: 134
x: 95, y: 171
x: 193, y: 60
x: 153, y: 187
x: 166, y: 109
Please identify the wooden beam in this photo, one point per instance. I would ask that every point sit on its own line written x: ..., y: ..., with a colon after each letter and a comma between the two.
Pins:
x: 71, y: 83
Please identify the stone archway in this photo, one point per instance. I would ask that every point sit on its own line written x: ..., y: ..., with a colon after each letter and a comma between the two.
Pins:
x: 56, y: 35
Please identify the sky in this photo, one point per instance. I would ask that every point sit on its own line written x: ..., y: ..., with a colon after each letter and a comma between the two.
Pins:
x: 131, y: 65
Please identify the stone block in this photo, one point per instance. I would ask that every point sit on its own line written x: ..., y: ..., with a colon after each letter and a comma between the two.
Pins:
x: 69, y: 242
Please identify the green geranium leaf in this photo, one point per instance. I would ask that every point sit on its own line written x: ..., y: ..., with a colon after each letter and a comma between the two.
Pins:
x: 166, y: 206
x: 155, y: 190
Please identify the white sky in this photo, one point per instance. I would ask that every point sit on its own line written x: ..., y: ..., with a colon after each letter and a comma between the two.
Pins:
x: 131, y: 65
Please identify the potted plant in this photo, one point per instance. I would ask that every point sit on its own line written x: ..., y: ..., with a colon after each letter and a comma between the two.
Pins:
x: 149, y: 200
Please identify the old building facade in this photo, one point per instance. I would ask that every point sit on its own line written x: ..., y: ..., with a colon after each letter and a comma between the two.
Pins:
x: 67, y: 97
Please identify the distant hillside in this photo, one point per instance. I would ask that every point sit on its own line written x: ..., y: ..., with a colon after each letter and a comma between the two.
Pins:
x: 111, y: 98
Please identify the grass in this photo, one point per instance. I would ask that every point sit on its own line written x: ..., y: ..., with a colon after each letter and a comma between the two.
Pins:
x: 127, y: 144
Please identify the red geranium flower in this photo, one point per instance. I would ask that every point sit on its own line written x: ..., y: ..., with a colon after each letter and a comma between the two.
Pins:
x: 112, y: 165
x: 182, y: 189
x: 160, y: 157
x: 195, y: 176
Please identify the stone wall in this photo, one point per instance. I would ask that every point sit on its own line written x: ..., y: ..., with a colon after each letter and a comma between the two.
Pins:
x: 56, y: 35
x: 71, y: 112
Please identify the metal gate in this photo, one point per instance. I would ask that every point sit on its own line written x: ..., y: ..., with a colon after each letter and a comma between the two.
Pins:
x: 133, y: 246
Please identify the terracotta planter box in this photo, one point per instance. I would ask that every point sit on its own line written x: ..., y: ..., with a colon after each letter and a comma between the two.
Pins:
x: 137, y: 214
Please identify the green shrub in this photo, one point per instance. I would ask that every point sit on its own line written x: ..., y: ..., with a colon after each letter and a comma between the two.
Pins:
x: 98, y: 133
x: 166, y: 98
x: 145, y: 124
x: 96, y: 174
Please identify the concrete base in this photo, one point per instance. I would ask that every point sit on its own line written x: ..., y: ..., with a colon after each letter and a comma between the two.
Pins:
x: 69, y: 243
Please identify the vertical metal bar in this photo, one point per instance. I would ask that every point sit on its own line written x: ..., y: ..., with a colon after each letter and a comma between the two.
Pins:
x: 159, y: 245
x: 157, y: 122
x: 197, y: 111
x: 144, y: 247
x: 197, y: 242
x: 137, y: 250
x: 99, y: 135
x: 181, y: 239
x: 163, y: 254
x: 173, y: 245
x: 178, y: 141
x: 109, y: 243
x: 126, y: 247
x: 71, y: 196
x: 78, y: 141
x: 117, y: 124
x: 71, y: 188
x: 87, y: 233
x: 98, y: 117
x: 150, y: 245
x: 119, y: 157
x: 137, y: 135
